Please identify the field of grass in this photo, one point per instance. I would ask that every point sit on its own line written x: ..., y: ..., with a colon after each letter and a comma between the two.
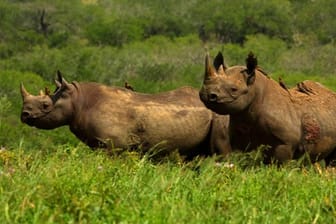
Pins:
x: 69, y: 184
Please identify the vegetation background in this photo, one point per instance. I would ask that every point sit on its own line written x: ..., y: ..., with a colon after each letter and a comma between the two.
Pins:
x: 155, y: 45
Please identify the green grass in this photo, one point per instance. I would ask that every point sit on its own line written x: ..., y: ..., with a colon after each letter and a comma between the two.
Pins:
x: 76, y: 185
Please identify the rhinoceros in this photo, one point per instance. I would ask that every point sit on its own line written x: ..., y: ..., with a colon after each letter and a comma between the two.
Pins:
x: 291, y: 122
x: 116, y: 117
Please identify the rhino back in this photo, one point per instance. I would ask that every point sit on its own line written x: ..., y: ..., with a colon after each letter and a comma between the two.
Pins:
x: 320, y: 104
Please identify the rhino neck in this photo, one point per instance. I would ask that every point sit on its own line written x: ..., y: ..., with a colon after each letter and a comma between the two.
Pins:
x: 267, y: 95
x: 259, y: 89
x: 85, y: 100
x: 247, y: 126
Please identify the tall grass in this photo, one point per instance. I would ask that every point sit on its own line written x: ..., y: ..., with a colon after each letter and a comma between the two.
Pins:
x: 76, y: 185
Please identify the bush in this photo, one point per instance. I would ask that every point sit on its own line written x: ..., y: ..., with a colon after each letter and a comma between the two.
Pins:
x: 315, y: 60
x: 268, y: 50
x: 156, y: 72
x: 116, y: 32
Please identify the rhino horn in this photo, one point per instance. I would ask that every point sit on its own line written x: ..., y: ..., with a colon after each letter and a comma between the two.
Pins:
x: 24, y: 92
x: 220, y: 70
x: 251, y: 65
x: 47, y: 91
x: 41, y: 93
x: 209, y: 72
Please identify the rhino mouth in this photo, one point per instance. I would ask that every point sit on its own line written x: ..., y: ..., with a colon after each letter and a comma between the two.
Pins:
x: 37, y: 122
x: 223, y: 106
x: 222, y: 101
x: 28, y: 120
x: 31, y: 120
x: 214, y: 99
x: 226, y: 100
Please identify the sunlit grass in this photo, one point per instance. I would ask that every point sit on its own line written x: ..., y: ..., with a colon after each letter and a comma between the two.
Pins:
x: 75, y: 184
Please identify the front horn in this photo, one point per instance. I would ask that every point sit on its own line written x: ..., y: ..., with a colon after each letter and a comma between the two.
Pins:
x: 209, y: 72
x: 24, y: 92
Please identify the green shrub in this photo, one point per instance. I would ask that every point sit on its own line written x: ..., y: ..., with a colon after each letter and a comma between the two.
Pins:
x: 116, y: 32
x: 315, y: 60
x: 156, y: 72
x: 268, y: 50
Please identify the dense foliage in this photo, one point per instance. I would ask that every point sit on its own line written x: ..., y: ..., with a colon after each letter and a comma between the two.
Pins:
x: 104, y: 40
x: 155, y: 45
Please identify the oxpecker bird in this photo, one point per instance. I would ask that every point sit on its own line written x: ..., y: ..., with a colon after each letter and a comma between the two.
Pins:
x: 128, y: 86
x: 304, y: 89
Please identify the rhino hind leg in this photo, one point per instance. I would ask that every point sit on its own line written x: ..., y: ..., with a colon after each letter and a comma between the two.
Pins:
x: 330, y: 160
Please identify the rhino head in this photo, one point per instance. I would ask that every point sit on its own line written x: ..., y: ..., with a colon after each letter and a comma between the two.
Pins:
x: 228, y: 90
x: 48, y: 111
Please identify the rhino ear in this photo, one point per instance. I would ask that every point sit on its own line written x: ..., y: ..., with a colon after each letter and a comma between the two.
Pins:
x: 209, y: 72
x: 218, y: 61
x: 59, y: 76
x: 251, y: 65
x: 24, y: 92
x: 61, y: 82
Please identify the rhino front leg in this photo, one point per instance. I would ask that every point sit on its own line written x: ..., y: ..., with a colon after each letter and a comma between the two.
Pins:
x: 220, y: 145
x: 283, y: 153
x: 219, y: 136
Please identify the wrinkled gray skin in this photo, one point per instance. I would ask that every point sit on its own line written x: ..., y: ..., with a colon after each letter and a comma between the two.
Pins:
x: 115, y: 117
x: 261, y: 112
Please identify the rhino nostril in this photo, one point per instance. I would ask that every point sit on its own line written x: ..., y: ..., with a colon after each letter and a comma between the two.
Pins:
x: 212, y: 97
x: 25, y: 114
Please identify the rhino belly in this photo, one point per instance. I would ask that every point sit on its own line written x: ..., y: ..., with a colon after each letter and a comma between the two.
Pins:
x: 183, y: 129
x: 168, y: 127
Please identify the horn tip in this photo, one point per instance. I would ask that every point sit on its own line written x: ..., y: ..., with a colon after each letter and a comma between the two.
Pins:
x: 23, y: 90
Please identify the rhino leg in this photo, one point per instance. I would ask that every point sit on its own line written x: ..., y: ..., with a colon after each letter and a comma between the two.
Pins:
x: 283, y: 153
x: 331, y: 159
x: 219, y: 136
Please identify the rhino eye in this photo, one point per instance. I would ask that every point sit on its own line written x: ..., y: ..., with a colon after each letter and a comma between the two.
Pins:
x: 234, y: 89
x: 45, y: 105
